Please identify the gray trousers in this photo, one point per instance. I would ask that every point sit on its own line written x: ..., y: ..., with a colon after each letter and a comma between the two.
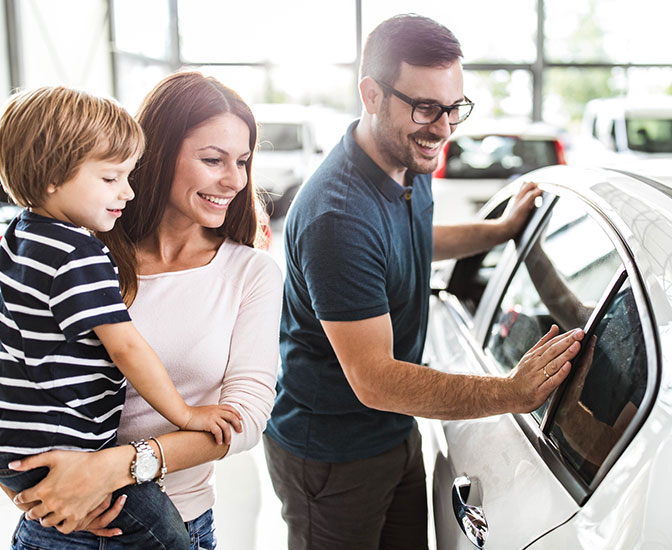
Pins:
x: 378, y: 503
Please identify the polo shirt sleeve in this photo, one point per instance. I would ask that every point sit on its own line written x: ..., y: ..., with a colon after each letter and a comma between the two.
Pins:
x: 85, y: 292
x: 343, y: 262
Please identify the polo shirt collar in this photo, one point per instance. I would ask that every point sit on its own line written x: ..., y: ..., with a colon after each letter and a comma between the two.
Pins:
x: 390, y: 189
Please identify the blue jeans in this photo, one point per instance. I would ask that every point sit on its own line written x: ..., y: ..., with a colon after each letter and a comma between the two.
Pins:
x: 202, y: 532
x: 148, y: 520
x: 29, y: 535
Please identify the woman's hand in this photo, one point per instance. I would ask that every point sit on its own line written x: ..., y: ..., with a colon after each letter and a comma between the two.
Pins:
x: 101, y: 517
x: 96, y: 522
x: 11, y: 494
x: 77, y: 489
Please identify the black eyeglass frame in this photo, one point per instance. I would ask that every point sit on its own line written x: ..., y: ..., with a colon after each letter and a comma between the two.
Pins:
x: 415, y: 102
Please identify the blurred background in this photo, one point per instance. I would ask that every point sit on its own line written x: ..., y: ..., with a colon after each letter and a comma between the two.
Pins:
x: 540, y: 72
x: 526, y: 62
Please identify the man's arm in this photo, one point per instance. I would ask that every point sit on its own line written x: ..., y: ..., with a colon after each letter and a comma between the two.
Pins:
x: 365, y: 352
x: 460, y: 241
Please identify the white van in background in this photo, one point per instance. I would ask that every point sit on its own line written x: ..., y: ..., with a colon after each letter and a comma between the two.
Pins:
x: 287, y: 153
x: 618, y: 131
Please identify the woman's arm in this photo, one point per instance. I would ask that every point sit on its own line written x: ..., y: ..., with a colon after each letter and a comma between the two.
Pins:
x: 80, y: 483
x: 251, y: 371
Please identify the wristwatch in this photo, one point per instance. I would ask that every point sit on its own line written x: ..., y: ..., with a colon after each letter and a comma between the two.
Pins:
x: 145, y: 466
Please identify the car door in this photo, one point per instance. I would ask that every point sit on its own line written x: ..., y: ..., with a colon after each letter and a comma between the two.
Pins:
x: 504, y: 481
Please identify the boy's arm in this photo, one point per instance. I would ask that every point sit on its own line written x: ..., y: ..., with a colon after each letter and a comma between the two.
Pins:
x: 134, y: 357
x: 138, y: 362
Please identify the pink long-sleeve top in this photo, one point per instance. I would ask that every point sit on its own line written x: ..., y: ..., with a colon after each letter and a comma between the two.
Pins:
x: 215, y: 328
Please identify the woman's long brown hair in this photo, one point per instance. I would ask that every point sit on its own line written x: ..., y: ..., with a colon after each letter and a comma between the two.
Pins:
x: 177, y: 104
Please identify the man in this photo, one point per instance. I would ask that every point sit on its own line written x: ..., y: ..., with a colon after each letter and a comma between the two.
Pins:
x: 342, y: 446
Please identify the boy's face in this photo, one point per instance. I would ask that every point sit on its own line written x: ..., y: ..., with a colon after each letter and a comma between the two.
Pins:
x: 94, y: 197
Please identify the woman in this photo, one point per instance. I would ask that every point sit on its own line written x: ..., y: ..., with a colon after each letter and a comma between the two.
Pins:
x: 204, y: 299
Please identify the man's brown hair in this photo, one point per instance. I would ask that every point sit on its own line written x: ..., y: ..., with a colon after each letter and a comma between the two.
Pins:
x: 407, y: 38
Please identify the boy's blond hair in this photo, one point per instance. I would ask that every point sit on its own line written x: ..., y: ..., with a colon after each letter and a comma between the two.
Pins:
x: 47, y: 133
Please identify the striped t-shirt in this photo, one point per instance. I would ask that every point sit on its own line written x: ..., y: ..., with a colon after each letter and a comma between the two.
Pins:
x: 58, y: 387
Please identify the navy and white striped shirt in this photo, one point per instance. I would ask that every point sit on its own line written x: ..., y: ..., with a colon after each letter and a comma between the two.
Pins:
x: 58, y: 387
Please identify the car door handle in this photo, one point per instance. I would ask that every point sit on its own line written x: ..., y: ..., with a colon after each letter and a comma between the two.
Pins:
x: 471, y: 518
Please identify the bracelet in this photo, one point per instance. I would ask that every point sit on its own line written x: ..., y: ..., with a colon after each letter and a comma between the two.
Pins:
x: 160, y: 482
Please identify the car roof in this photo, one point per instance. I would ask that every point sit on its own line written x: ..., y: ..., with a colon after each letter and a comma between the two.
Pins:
x: 638, y: 206
x: 280, y: 112
x: 522, y: 128
x: 644, y: 106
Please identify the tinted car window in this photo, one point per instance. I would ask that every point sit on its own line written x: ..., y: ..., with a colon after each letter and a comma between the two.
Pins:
x: 497, y: 156
x: 561, y: 280
x: 605, y: 390
x: 649, y: 135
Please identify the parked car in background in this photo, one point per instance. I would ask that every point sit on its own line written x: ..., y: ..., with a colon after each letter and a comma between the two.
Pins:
x: 287, y: 154
x: 617, y: 131
x: 590, y: 468
x: 8, y: 211
x: 479, y: 159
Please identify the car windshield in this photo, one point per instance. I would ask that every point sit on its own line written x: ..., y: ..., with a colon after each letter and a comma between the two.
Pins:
x: 280, y: 136
x: 649, y: 135
x: 497, y: 156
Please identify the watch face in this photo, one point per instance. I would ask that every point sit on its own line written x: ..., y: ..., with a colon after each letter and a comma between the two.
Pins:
x: 146, y: 467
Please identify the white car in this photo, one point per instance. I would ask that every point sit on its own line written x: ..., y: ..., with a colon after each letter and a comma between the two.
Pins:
x: 288, y: 153
x: 481, y: 157
x: 590, y: 469
x: 8, y: 210
x: 617, y: 131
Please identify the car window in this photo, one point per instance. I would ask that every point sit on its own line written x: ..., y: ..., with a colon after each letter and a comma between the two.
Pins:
x: 606, y: 388
x: 496, y: 156
x: 471, y: 275
x: 275, y: 136
x: 649, y: 135
x: 562, y: 278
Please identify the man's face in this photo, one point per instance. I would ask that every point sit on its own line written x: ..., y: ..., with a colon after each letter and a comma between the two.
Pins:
x: 402, y: 142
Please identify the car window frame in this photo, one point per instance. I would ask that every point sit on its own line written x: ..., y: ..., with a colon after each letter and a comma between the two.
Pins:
x: 484, y: 317
x: 516, y: 250
x: 444, y: 270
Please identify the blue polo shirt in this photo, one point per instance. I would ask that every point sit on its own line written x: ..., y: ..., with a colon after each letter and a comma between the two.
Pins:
x: 358, y: 245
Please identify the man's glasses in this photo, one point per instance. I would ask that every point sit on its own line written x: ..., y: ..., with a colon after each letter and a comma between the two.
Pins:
x: 424, y: 112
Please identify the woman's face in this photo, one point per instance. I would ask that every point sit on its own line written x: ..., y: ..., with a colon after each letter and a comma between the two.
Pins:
x: 210, y: 171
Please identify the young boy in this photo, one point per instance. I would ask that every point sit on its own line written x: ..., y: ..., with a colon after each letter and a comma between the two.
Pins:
x: 66, y: 156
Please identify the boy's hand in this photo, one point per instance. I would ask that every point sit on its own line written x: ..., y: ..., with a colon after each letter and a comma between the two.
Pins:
x: 216, y: 420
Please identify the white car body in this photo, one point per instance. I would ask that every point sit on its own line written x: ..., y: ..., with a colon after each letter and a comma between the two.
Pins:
x: 528, y: 492
x: 7, y: 213
x: 491, y: 153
